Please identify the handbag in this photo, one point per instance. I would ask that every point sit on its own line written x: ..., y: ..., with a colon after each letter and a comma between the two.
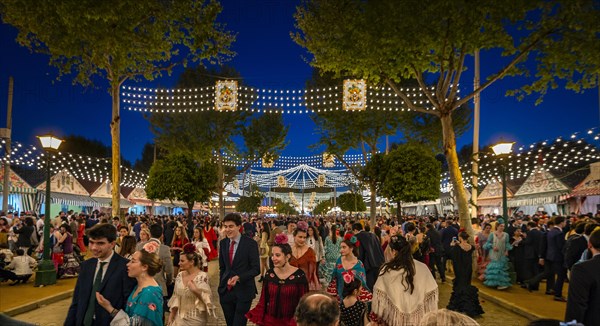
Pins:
x: 57, y: 249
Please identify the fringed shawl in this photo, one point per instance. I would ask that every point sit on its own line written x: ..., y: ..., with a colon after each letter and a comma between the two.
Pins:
x: 395, y: 306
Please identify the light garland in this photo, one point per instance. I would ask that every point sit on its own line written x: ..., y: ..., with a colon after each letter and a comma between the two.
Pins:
x: 295, y: 101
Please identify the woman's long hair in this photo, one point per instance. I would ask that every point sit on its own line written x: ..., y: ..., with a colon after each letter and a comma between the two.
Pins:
x: 402, y: 260
x: 265, y: 228
x: 334, y: 234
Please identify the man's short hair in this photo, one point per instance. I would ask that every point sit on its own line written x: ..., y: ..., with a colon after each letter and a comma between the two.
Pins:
x: 103, y: 230
x: 233, y: 217
x: 156, y: 231
x: 357, y: 227
x: 317, y: 309
x: 595, y: 239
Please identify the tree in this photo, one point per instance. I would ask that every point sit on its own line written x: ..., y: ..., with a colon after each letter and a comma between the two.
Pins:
x: 89, y: 147
x: 349, y: 202
x: 282, y: 207
x: 322, y: 207
x: 248, y: 204
x: 210, y: 134
x: 180, y: 177
x: 119, y: 41
x: 412, y: 174
x: 430, y: 41
x: 149, y: 151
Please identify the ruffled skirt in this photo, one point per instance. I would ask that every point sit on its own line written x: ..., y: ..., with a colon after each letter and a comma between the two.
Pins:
x: 465, y: 300
x: 496, y: 273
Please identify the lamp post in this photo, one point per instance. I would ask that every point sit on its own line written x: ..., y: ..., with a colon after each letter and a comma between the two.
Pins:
x: 503, y: 148
x: 46, y: 273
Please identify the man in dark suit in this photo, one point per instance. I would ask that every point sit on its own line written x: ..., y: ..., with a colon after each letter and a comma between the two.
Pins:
x: 437, y: 252
x: 532, y: 246
x: 369, y: 253
x: 239, y: 264
x: 556, y: 243
x: 576, y: 245
x: 584, y: 287
x: 105, y: 273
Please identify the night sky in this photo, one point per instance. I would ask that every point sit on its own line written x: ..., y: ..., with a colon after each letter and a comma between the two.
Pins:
x: 267, y: 58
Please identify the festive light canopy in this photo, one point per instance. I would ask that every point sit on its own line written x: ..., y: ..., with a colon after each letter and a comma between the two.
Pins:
x: 294, y: 101
x: 559, y: 156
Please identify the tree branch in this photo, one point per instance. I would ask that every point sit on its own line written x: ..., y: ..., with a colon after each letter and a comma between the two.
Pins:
x: 461, y: 62
x: 504, y: 70
x: 421, y: 82
x: 407, y: 100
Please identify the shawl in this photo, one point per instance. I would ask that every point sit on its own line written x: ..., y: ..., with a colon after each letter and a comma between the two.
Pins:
x: 397, y: 307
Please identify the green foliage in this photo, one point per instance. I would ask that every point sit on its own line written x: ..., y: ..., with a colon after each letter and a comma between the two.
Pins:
x: 412, y: 174
x: 89, y: 147
x: 349, y: 202
x: 144, y: 163
x: 265, y: 136
x: 413, y: 39
x: 282, y: 207
x: 118, y: 40
x: 322, y: 207
x: 248, y: 204
x: 180, y: 177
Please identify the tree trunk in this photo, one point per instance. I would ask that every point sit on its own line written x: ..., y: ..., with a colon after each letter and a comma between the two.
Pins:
x: 190, y: 220
x: 399, y: 209
x: 220, y: 186
x: 115, y: 132
x: 455, y: 174
x: 373, y: 190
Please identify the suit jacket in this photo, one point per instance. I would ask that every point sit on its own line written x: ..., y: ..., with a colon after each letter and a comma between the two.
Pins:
x: 166, y: 274
x: 436, y: 241
x: 532, y: 244
x: 584, y: 292
x: 556, y: 243
x: 576, y: 245
x: 369, y: 250
x: 246, y: 265
x: 116, y: 287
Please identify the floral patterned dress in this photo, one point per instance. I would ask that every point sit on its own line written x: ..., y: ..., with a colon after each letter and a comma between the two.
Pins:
x: 332, y: 253
x: 191, y: 310
x: 144, y: 309
x: 336, y: 286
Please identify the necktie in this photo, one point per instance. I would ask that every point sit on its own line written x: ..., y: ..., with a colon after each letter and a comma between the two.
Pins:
x: 231, y: 252
x: 89, y: 313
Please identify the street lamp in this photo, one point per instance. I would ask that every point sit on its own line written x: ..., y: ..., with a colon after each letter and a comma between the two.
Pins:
x: 503, y: 148
x: 46, y: 273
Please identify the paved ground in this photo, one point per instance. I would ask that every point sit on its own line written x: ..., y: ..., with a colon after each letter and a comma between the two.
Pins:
x: 54, y: 314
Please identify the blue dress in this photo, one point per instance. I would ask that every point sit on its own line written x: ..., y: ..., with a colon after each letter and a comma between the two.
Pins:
x: 496, y: 273
x: 145, y: 309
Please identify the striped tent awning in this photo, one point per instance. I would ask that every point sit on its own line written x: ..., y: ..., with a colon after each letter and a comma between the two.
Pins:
x: 19, y: 190
x: 67, y: 199
x: 107, y: 202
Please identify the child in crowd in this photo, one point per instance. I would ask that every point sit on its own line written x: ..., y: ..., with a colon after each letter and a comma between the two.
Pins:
x: 352, y: 310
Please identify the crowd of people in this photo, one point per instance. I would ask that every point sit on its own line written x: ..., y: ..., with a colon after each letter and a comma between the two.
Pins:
x: 152, y: 270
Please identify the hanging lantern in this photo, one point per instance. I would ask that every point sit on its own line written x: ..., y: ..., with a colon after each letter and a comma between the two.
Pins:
x: 281, y: 181
x: 321, y: 179
x: 268, y: 161
x: 226, y: 95
x: 355, y: 95
x: 236, y: 184
x: 328, y: 160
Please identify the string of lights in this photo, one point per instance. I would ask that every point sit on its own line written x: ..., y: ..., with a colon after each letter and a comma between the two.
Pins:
x: 294, y: 101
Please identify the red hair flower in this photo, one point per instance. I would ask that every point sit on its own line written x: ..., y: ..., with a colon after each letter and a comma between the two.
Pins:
x: 348, y: 276
x: 151, y: 247
x: 152, y: 306
x: 281, y: 239
x: 189, y: 248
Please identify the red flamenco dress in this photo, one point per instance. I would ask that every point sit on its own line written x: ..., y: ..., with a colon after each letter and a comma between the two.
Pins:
x: 308, y: 263
x: 278, y: 299
x: 80, y: 233
x: 211, y: 236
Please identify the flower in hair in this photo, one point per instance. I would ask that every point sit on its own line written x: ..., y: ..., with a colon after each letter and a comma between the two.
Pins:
x: 302, y: 225
x: 353, y: 240
x: 281, y: 239
x: 348, y: 276
x: 189, y: 248
x: 151, y: 247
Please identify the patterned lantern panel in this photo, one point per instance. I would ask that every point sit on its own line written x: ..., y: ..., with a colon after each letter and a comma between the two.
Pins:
x: 281, y: 181
x: 355, y: 95
x: 321, y: 179
x: 236, y: 184
x: 226, y: 93
x: 328, y: 160
x: 267, y: 161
